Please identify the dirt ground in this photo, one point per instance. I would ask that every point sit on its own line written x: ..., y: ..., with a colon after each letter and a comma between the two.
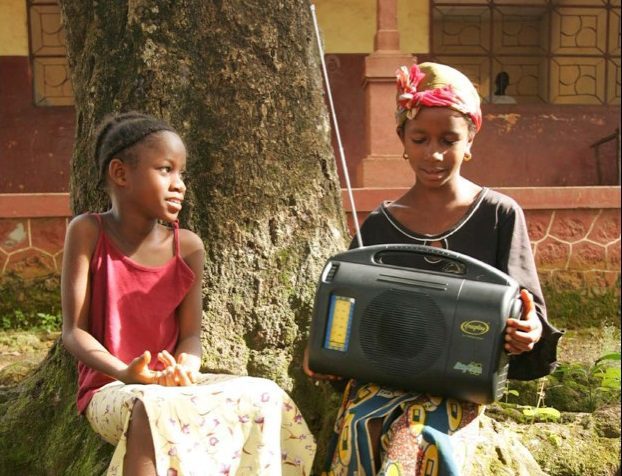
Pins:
x: 587, y: 345
x: 21, y: 351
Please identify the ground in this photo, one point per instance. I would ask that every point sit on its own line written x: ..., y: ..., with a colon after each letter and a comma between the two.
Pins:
x: 22, y: 350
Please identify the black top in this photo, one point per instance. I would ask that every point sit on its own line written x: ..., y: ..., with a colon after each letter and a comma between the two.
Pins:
x: 493, y: 230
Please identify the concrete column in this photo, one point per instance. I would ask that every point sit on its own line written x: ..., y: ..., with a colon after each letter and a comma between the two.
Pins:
x: 383, y: 165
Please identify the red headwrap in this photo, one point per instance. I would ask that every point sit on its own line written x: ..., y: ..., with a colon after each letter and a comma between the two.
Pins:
x: 435, y: 85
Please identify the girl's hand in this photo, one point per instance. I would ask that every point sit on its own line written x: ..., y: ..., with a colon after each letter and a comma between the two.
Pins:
x: 312, y: 374
x: 138, y: 371
x: 521, y: 335
x: 176, y: 372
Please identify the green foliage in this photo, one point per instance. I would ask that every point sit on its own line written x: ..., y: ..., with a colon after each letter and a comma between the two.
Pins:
x: 541, y: 413
x: 598, y: 383
x: 573, y: 387
x: 49, y: 322
x: 19, y: 320
x: 608, y: 372
x: 27, y: 303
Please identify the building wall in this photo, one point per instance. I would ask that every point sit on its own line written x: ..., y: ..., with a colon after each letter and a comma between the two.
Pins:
x: 519, y: 145
x: 35, y: 142
x: 574, y: 231
x: 14, y: 31
x: 349, y: 26
x: 575, y: 240
x: 31, y: 247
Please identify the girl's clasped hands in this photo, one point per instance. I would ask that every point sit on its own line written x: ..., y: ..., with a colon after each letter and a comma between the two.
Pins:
x: 179, y: 372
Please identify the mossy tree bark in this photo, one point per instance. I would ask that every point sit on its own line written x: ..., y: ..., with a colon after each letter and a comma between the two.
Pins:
x: 241, y: 83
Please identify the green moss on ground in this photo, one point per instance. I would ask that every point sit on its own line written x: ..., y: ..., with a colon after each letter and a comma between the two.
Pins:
x: 575, y: 309
x: 41, y: 432
x: 574, y: 447
x: 578, y: 444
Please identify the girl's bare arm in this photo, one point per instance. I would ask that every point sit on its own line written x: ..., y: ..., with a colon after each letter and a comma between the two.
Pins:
x: 189, y: 312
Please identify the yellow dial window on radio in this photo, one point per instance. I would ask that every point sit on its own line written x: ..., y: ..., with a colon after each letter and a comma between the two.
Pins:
x: 339, y: 323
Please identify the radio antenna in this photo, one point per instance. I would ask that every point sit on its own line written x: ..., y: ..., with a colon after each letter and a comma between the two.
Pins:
x: 342, y: 155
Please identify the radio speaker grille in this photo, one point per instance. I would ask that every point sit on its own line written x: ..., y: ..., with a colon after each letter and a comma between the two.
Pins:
x: 401, y: 328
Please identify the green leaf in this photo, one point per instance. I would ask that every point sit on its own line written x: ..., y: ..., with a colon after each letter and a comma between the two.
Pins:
x: 543, y: 412
x: 611, y: 356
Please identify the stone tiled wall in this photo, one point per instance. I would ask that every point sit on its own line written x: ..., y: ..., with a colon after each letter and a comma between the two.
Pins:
x: 31, y: 247
x: 576, y: 248
x: 573, y: 248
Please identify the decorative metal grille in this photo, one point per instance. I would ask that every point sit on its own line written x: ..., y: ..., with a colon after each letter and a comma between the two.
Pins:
x: 556, y: 51
x: 51, y: 82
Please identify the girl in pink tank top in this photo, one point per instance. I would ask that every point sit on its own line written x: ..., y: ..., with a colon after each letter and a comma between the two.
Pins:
x: 131, y: 296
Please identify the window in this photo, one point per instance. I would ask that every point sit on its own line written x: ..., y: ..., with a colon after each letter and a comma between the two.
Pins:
x: 554, y: 51
x: 50, y: 71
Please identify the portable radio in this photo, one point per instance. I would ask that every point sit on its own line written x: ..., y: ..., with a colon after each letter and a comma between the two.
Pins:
x: 414, y: 318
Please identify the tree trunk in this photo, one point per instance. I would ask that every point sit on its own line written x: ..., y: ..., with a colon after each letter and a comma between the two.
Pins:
x: 241, y: 83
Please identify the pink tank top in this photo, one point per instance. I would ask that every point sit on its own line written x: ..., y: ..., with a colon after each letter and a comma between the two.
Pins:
x: 132, y: 308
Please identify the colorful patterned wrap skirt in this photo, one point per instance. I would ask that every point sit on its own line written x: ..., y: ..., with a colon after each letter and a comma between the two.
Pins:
x: 222, y: 425
x: 420, y: 435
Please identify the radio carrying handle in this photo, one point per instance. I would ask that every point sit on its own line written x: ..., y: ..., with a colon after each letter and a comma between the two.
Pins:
x: 471, y: 268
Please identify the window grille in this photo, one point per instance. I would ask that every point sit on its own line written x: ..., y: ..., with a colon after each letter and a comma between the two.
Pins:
x: 554, y: 51
x: 48, y: 55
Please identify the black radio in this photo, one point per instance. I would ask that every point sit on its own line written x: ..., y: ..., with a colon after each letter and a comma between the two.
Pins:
x: 415, y: 318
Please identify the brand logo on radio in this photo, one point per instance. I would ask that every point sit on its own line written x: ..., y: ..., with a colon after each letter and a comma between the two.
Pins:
x: 473, y: 368
x: 474, y: 328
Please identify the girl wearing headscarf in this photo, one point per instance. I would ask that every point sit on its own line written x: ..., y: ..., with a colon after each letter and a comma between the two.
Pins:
x: 392, y: 432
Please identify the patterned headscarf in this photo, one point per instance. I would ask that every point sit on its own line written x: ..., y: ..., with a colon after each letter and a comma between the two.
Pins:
x: 435, y: 85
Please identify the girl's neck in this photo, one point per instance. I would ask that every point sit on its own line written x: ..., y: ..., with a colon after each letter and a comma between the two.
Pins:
x: 432, y: 211
x: 127, y: 227
x: 459, y: 192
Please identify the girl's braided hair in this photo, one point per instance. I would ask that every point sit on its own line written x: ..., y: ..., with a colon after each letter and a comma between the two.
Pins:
x: 119, y: 132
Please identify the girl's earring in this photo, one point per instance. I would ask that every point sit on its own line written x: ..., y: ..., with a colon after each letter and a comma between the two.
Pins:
x: 467, y: 156
x: 405, y: 156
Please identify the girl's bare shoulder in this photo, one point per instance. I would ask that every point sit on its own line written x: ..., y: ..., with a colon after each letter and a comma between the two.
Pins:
x: 85, y: 226
x: 82, y: 234
x: 190, y: 243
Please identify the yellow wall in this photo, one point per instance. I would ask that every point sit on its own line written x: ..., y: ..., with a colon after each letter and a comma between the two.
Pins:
x: 349, y: 26
x: 413, y: 21
x: 13, y: 28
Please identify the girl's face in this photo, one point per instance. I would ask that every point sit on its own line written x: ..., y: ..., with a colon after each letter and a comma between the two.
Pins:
x: 436, y: 141
x: 155, y: 181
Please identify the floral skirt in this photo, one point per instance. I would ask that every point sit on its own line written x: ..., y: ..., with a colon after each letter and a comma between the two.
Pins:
x: 418, y: 434
x: 222, y: 425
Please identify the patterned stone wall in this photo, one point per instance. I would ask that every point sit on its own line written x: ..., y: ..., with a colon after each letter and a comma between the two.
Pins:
x: 576, y: 249
x: 573, y: 248
x: 31, y: 247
